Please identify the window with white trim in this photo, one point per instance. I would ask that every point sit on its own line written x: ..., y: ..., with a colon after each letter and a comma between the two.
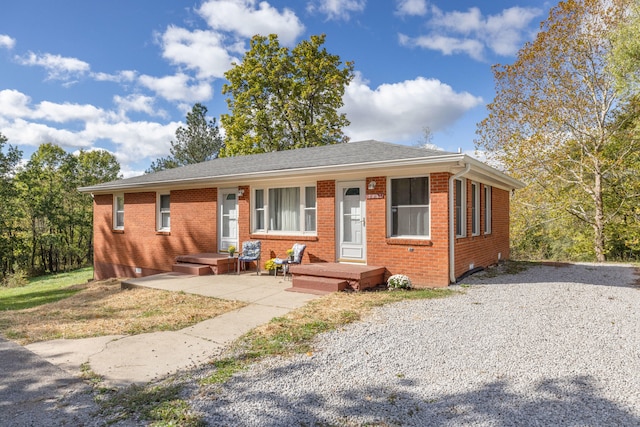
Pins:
x: 164, y: 212
x: 118, y: 211
x: 461, y: 207
x: 475, y: 209
x: 410, y: 213
x: 285, y: 209
x: 310, y: 209
x: 487, y: 209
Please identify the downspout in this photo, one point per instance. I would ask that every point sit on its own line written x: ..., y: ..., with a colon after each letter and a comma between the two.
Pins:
x: 452, y: 236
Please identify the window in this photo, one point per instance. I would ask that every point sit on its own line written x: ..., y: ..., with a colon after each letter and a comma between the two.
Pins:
x: 259, y: 210
x: 410, y: 207
x: 287, y: 209
x: 164, y: 212
x: 487, y: 210
x: 118, y: 211
x: 310, y: 209
x: 475, y: 208
x: 461, y: 208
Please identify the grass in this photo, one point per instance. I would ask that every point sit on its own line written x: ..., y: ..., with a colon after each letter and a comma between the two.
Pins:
x: 98, y: 309
x: 161, y: 405
x: 43, y: 290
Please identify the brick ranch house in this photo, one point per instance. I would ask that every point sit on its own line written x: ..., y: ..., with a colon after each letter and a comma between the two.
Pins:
x: 431, y: 215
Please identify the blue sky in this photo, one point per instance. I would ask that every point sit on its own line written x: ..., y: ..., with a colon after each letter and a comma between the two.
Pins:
x: 121, y: 75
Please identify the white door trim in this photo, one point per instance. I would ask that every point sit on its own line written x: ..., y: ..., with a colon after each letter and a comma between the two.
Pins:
x: 232, y: 239
x: 352, y: 247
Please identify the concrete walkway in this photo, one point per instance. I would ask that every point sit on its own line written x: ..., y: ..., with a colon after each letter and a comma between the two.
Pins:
x: 137, y: 359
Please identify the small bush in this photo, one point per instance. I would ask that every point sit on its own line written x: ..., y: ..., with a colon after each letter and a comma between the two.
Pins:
x: 16, y: 280
x: 399, y: 281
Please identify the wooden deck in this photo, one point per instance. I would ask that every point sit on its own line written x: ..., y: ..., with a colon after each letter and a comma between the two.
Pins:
x: 328, y: 277
x: 205, y: 263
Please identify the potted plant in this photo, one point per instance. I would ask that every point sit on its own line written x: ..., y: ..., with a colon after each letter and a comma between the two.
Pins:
x: 399, y: 281
x: 270, y: 264
x: 290, y: 254
x: 232, y: 250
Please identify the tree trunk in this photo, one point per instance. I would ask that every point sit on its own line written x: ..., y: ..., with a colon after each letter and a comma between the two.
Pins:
x: 598, y: 223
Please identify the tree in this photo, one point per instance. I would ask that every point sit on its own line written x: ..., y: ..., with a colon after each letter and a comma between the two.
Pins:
x: 9, y: 241
x: 198, y: 142
x: 553, y: 122
x: 57, y: 219
x: 625, y: 54
x: 281, y: 99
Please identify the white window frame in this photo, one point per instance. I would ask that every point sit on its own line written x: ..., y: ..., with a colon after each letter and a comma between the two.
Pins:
x: 487, y: 209
x: 390, y: 208
x: 117, y: 210
x: 160, y: 212
x: 475, y: 208
x: 461, y: 214
x: 303, y: 208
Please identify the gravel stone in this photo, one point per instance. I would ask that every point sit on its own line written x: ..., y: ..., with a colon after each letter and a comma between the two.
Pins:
x: 553, y: 345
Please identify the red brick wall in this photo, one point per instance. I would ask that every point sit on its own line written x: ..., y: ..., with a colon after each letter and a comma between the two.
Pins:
x: 194, y: 229
x: 483, y: 250
x: 424, y: 261
x: 119, y: 253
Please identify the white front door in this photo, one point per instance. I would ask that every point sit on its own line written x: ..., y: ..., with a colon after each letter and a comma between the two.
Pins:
x: 352, y: 238
x: 228, y: 219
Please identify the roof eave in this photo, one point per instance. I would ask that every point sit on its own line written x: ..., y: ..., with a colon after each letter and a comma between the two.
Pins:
x: 452, y: 159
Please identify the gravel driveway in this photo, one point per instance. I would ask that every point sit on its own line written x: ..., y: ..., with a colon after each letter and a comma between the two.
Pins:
x: 549, y: 346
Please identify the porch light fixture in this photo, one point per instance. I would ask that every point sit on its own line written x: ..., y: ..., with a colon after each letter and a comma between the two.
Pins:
x: 372, y: 185
x: 241, y: 192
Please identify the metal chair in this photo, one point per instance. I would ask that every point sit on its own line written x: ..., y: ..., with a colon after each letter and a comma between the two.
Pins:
x: 250, y: 252
x: 298, y: 253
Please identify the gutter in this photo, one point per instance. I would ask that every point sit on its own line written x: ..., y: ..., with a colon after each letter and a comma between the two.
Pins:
x: 452, y: 236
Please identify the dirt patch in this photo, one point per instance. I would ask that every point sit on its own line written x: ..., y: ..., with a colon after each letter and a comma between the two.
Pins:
x: 103, y: 308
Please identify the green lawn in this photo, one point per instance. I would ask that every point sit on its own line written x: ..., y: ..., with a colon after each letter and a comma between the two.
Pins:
x: 43, y: 289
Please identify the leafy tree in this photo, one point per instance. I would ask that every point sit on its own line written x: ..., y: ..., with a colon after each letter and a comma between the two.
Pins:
x: 625, y: 53
x: 58, y: 220
x: 281, y: 99
x: 9, y: 231
x: 198, y: 142
x: 554, y: 121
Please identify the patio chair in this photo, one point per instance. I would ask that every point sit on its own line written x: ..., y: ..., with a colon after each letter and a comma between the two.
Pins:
x: 250, y: 252
x: 298, y: 253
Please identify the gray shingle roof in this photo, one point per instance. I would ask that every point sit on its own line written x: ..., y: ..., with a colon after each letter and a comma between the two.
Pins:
x: 352, y: 153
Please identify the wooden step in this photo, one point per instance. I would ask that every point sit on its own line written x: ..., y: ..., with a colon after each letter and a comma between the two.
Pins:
x: 321, y: 284
x: 194, y: 269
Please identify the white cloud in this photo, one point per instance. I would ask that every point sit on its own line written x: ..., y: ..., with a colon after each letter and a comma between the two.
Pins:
x: 400, y: 111
x: 134, y: 140
x: 58, y: 67
x: 23, y: 132
x: 67, y: 112
x: 138, y: 103
x: 446, y: 45
x: 124, y: 76
x: 14, y: 104
x: 336, y: 9
x: 203, y: 51
x: 411, y: 7
x: 178, y: 88
x: 7, y: 42
x: 242, y: 18
x: 472, y: 33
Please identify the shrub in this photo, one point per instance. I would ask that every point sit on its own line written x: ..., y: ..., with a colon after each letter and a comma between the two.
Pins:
x: 17, y: 279
x: 399, y: 281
